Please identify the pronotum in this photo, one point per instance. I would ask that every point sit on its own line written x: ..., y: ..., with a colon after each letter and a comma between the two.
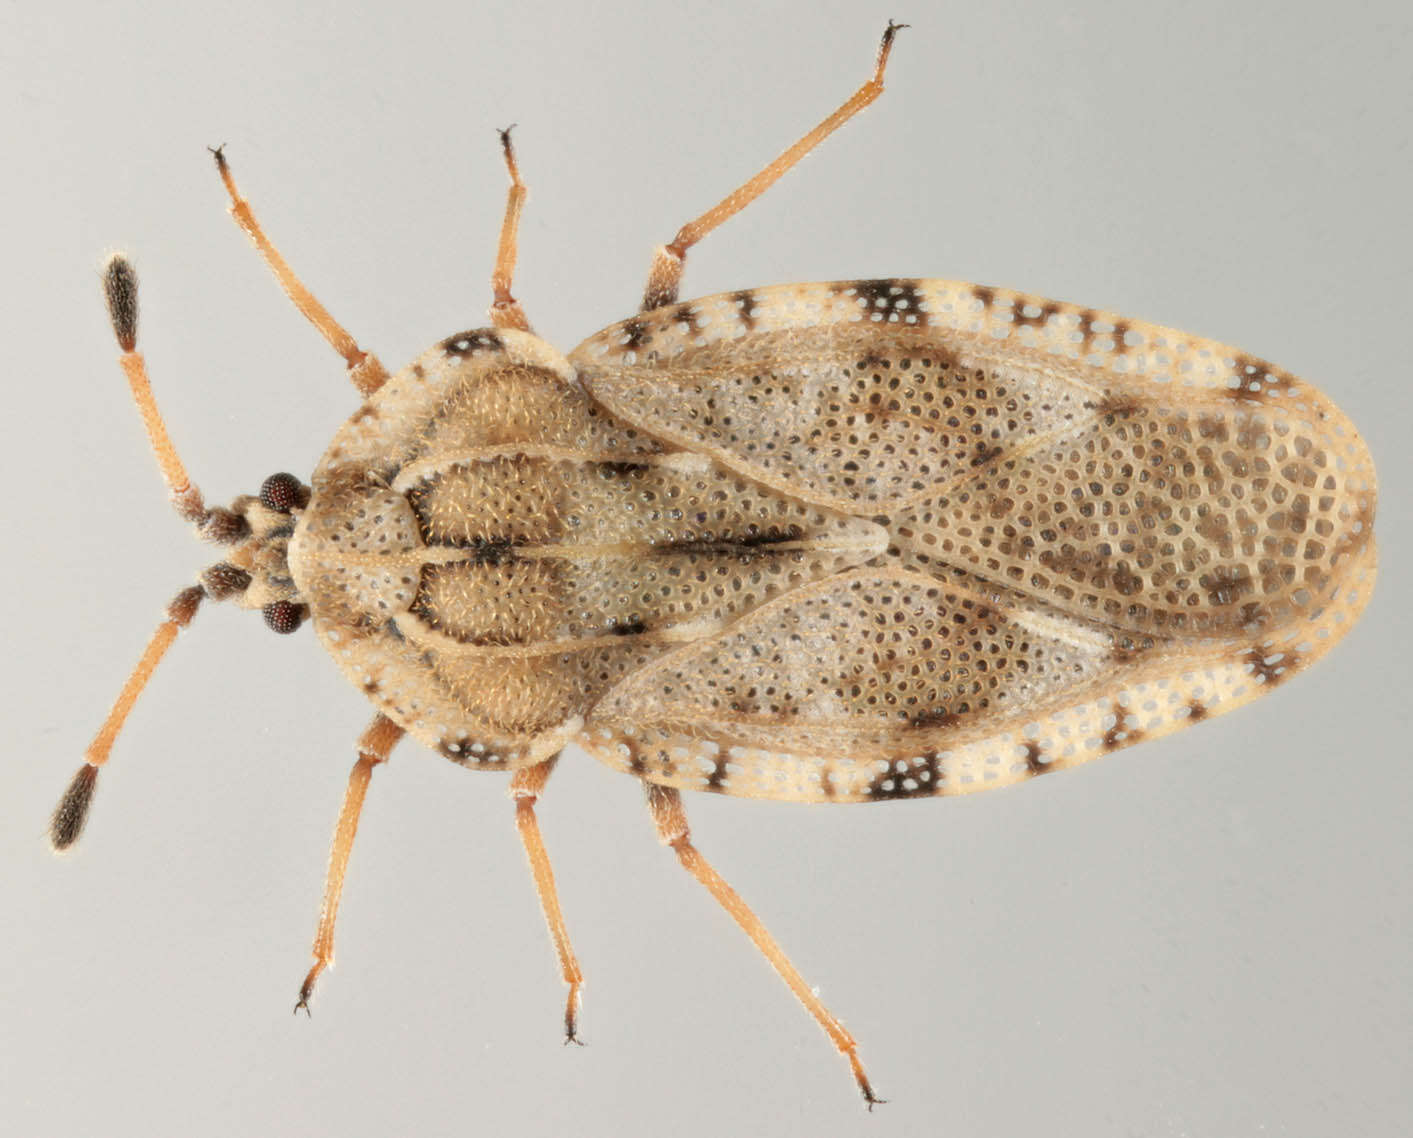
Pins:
x: 844, y: 542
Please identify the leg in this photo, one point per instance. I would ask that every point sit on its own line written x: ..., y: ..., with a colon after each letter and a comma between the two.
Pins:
x: 666, y: 272
x: 363, y: 367
x: 665, y: 804
x: 525, y: 787
x: 374, y: 746
x: 505, y: 309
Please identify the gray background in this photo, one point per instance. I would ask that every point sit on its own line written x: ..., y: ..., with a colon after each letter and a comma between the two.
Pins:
x: 1207, y: 935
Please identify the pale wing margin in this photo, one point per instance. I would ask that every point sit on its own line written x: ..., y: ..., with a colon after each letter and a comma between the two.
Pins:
x: 865, y: 395
x: 778, y: 706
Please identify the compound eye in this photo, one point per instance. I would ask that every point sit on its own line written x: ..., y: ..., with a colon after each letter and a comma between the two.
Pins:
x: 283, y: 493
x: 284, y: 616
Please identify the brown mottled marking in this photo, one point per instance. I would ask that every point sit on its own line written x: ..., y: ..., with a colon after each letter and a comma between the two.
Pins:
x: 1253, y: 615
x: 985, y: 294
x: 635, y: 333
x: 419, y: 371
x: 621, y: 469
x: 372, y: 687
x: 1118, y: 405
x: 745, y: 301
x: 1086, y: 329
x: 1126, y: 647
x: 1213, y: 428
x: 888, y: 295
x: 717, y: 779
x: 367, y: 411
x: 925, y: 777
x: 1253, y: 377
x: 1225, y: 585
x: 1033, y: 765
x: 1351, y: 541
x: 1271, y: 673
x: 826, y: 785
x: 1119, y: 735
x: 687, y: 314
x: 1126, y: 582
x: 1088, y: 335
x: 985, y: 453
x: 1047, y: 310
x: 933, y: 717
x: 1196, y: 711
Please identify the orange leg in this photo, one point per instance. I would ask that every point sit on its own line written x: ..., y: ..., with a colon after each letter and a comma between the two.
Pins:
x: 364, y: 369
x: 505, y: 309
x: 526, y: 785
x: 666, y: 273
x: 374, y: 746
x: 665, y: 804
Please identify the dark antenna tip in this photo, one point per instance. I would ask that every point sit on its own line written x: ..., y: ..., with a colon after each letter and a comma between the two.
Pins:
x: 72, y: 812
x: 120, y: 290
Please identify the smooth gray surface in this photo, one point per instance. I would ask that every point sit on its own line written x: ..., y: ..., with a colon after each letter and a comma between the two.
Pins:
x: 1205, y: 936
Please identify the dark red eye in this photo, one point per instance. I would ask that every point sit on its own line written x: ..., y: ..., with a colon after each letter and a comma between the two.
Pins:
x: 284, y: 616
x: 283, y: 493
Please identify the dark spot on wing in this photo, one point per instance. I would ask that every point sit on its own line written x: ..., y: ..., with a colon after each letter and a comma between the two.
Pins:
x: 685, y: 314
x: 1251, y: 379
x: 894, y: 300
x: 621, y: 469
x: 717, y: 779
x: 933, y: 717
x: 1271, y: 667
x: 1120, y: 734
x: 985, y: 453
x: 1227, y: 584
x: 919, y: 780
x: 635, y: 333
x: 754, y: 538
x: 469, y: 343
x: 1119, y: 406
x: 1043, y: 314
x: 745, y: 302
x: 1088, y: 333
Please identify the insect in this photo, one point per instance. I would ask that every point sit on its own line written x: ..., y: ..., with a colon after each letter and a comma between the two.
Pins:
x: 843, y: 542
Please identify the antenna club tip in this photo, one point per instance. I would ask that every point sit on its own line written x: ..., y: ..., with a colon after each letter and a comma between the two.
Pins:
x: 120, y: 291
x: 72, y: 812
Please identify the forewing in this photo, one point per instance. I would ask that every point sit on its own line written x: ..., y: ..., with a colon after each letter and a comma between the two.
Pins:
x: 884, y: 684
x: 1156, y: 528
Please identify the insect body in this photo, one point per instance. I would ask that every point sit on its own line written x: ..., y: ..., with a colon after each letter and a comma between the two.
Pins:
x: 841, y: 542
